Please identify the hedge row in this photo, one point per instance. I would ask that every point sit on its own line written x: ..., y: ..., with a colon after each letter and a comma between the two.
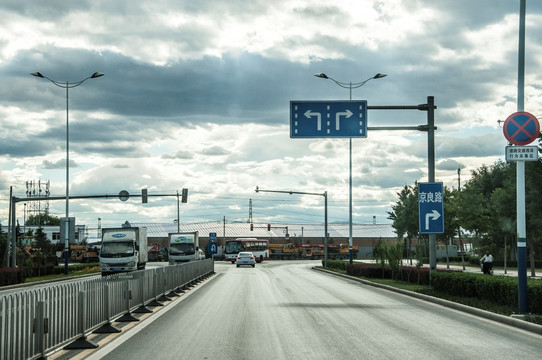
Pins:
x: 501, y: 290
x: 407, y: 273
x: 11, y: 276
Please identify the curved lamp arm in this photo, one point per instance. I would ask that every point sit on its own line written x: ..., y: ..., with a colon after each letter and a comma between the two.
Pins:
x: 67, y: 84
x: 350, y: 85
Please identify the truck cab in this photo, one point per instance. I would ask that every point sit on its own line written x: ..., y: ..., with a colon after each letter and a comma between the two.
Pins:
x: 123, y: 250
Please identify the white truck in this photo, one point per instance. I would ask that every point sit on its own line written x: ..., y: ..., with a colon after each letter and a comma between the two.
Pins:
x: 183, y: 247
x: 123, y: 250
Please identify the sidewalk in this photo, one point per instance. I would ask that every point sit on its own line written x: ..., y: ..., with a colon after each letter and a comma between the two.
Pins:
x: 496, y: 270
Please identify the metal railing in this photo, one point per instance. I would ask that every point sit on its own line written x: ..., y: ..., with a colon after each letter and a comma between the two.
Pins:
x: 35, y: 322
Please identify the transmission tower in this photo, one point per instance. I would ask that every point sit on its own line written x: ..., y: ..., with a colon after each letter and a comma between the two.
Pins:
x: 41, y: 191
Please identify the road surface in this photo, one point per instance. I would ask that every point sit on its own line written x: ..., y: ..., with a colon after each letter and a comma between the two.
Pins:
x: 285, y: 310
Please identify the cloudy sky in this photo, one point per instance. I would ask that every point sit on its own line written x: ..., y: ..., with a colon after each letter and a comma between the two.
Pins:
x: 196, y: 95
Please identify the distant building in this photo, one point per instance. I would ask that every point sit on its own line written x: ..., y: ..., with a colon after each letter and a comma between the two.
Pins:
x: 53, y: 232
x: 365, y: 236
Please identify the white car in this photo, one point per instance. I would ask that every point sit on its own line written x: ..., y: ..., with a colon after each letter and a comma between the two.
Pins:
x: 245, y: 258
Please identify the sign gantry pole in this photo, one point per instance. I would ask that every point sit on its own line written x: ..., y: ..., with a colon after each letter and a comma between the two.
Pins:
x: 336, y: 119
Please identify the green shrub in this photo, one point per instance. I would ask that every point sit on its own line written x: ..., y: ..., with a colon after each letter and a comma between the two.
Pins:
x: 534, y: 295
x: 11, y: 276
x: 501, y: 290
x: 336, y: 264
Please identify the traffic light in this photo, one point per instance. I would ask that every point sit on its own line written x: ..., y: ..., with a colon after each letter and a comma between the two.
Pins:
x: 268, y: 227
x: 144, y: 197
x: 184, y: 197
x: 251, y: 227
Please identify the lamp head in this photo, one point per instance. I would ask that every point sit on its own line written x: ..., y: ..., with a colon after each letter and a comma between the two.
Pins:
x: 37, y: 74
x: 322, y: 75
x: 96, y: 75
x: 379, y: 75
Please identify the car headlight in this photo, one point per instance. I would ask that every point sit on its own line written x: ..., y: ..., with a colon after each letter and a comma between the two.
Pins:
x: 130, y: 264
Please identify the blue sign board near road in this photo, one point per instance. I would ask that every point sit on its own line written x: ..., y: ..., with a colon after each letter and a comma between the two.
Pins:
x: 212, y: 236
x: 431, y: 208
x: 521, y: 128
x: 312, y: 119
x: 213, y: 248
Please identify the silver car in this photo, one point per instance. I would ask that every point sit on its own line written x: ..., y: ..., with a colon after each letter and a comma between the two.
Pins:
x: 245, y: 258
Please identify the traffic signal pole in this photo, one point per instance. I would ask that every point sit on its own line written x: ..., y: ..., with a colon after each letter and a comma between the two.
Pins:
x: 325, y: 212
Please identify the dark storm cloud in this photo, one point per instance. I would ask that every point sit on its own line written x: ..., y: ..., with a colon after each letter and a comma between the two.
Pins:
x: 448, y: 165
x: 207, y: 86
x: 23, y: 148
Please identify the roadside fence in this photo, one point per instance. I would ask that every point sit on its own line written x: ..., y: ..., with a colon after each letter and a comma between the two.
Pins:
x: 37, y: 321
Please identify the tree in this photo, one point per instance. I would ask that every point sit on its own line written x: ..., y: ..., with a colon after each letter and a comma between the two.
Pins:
x: 42, y: 242
x: 490, y: 205
x: 405, y: 216
x: 394, y: 255
x: 485, y: 207
x: 3, y: 247
x: 379, y: 252
x: 42, y: 219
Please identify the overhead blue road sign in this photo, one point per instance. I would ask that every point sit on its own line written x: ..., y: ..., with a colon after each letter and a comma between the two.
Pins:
x: 431, y: 208
x: 343, y: 119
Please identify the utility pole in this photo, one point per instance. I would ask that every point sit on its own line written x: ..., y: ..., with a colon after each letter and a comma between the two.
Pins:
x: 250, y: 211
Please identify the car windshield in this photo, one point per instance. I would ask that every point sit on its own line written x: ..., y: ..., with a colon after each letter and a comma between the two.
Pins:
x: 181, y: 249
x: 118, y: 247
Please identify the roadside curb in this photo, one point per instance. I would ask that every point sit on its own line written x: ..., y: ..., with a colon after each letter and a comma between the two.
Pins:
x: 511, y: 321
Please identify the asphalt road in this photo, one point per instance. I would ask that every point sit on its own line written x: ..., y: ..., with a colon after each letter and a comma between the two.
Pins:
x: 285, y: 310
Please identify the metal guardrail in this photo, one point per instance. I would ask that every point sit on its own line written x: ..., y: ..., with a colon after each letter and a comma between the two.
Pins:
x: 35, y: 322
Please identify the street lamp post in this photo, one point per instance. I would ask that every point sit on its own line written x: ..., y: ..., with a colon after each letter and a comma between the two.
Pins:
x: 350, y: 86
x: 67, y: 85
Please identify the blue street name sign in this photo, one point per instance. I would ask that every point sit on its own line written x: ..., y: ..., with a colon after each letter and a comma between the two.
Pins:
x: 431, y: 208
x: 342, y: 119
x: 212, y: 236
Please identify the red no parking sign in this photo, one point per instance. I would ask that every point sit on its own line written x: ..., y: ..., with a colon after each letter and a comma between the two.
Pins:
x: 521, y: 128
